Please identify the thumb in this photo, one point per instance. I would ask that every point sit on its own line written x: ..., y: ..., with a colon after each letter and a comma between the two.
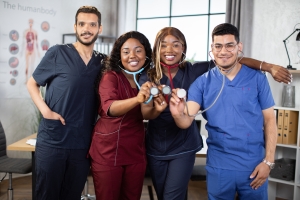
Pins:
x: 62, y: 120
x: 254, y: 173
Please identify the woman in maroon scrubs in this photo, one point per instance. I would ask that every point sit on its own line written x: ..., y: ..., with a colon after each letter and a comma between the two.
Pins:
x: 118, y: 148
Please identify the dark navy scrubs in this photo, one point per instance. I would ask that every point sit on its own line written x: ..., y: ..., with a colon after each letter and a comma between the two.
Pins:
x: 171, y: 150
x: 61, y: 149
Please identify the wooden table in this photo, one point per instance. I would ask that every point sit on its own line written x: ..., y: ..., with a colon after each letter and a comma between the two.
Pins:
x: 22, y: 146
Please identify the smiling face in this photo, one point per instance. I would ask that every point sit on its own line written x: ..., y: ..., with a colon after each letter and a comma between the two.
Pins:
x: 87, y: 28
x: 133, y: 55
x: 228, y: 50
x: 171, y: 50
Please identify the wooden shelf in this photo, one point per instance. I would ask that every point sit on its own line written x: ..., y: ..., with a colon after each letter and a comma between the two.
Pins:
x: 294, y: 71
x: 286, y: 108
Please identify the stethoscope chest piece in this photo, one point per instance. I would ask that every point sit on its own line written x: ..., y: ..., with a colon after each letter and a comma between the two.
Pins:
x: 166, y: 89
x: 154, y: 91
x: 181, y: 93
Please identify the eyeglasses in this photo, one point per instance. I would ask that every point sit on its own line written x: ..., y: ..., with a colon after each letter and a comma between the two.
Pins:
x: 175, y: 45
x: 219, y: 47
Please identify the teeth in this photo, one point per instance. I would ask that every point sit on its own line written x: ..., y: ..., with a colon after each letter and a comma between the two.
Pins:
x: 133, y: 63
x: 169, y: 56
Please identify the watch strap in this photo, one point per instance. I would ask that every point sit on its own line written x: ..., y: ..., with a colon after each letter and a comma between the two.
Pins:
x: 270, y: 164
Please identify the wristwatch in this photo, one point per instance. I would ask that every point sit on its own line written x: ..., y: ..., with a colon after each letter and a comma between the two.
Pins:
x: 270, y: 164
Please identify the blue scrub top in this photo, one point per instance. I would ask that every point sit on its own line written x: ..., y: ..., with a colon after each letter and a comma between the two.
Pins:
x: 235, y: 122
x: 164, y: 139
x: 71, y: 93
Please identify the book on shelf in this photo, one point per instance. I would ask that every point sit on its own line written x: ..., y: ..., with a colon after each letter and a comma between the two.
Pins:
x: 290, y: 127
x: 280, y: 126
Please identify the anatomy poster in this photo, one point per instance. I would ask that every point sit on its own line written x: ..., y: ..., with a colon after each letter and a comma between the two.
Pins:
x: 27, y: 30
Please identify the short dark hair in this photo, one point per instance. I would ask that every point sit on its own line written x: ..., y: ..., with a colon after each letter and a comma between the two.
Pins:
x: 225, y: 29
x: 89, y: 9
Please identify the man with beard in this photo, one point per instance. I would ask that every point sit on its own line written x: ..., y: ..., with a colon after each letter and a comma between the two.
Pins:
x: 69, y: 110
x: 241, y: 123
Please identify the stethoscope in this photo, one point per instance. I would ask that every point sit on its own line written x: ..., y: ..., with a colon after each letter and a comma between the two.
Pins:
x: 136, y: 82
x: 181, y: 93
x: 166, y: 90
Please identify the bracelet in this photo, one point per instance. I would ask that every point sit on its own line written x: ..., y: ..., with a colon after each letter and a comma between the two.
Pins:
x: 261, y: 66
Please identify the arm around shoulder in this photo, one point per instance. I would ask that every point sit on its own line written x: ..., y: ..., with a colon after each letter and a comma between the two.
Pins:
x: 279, y: 73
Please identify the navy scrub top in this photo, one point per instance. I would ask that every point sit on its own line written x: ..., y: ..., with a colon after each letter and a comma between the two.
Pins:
x: 70, y: 93
x: 164, y: 139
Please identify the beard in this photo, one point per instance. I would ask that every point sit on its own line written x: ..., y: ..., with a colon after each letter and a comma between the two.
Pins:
x: 226, y: 64
x: 86, y: 33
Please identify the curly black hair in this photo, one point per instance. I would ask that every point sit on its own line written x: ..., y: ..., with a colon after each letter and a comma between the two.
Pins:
x: 113, y: 63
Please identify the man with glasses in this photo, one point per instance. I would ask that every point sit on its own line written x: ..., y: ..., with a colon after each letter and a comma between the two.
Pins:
x: 241, y: 123
x: 69, y: 110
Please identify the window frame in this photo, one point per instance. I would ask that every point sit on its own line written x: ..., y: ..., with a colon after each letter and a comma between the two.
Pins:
x: 170, y: 16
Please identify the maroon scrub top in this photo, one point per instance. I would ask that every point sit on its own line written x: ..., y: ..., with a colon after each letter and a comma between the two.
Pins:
x: 118, y: 140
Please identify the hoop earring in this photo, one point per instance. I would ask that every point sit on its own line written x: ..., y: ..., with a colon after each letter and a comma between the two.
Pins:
x: 184, y: 57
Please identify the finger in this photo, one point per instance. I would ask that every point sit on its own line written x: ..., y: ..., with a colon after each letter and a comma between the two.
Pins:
x: 161, y: 97
x: 142, y: 96
x: 62, y: 120
x: 286, y: 78
x: 258, y: 184
x: 173, y: 100
x: 254, y: 173
x: 145, y: 91
x: 254, y: 184
x: 150, y: 85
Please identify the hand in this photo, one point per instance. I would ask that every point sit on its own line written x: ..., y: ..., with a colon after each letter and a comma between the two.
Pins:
x: 160, y: 103
x: 280, y: 74
x: 144, y: 93
x: 176, y: 104
x: 261, y: 173
x: 54, y: 116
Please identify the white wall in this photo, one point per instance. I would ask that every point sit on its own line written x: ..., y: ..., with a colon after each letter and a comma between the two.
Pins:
x: 274, y: 21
